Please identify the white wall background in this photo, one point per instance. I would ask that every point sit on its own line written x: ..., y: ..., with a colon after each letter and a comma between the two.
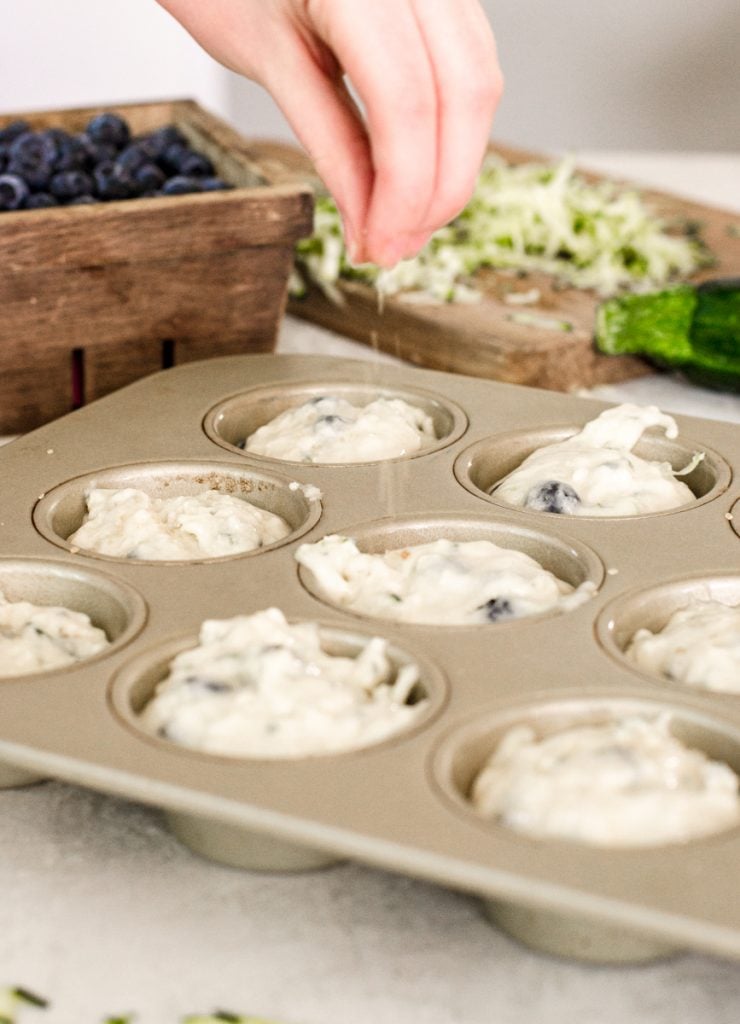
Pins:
x: 580, y: 74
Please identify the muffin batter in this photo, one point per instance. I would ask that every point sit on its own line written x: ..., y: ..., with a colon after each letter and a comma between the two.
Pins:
x: 259, y: 687
x: 595, y: 473
x: 331, y: 429
x: 698, y: 646
x: 129, y: 523
x: 445, y: 581
x: 624, y: 783
x: 35, y: 638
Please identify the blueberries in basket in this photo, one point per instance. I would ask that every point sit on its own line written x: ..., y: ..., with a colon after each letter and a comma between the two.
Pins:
x: 552, y: 496
x: 103, y: 163
x: 13, y: 192
x: 497, y: 608
x: 109, y: 128
x: 68, y: 185
x: 180, y: 185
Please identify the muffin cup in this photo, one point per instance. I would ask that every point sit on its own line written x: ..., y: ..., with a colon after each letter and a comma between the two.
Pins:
x: 234, y: 845
x: 458, y: 759
x: 231, y: 422
x: 651, y: 608
x: 482, y: 466
x: 111, y: 605
x: 59, y: 513
x: 571, y: 561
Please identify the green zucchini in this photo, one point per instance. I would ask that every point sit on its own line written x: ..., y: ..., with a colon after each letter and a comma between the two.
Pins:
x: 692, y: 329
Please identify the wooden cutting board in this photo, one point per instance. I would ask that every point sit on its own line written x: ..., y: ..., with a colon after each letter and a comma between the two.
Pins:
x: 481, y: 339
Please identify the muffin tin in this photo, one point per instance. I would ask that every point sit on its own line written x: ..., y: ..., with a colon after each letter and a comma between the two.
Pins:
x: 401, y: 804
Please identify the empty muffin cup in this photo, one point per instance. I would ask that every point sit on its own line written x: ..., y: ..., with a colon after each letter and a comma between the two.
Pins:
x: 571, y: 562
x: 233, y: 421
x: 134, y: 686
x: 60, y: 512
x: 651, y: 608
x: 111, y: 606
x: 484, y: 465
x: 457, y: 768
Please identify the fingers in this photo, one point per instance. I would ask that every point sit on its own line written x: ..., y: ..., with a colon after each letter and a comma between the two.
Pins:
x: 428, y: 77
x: 388, y: 65
x: 462, y: 54
x: 311, y: 93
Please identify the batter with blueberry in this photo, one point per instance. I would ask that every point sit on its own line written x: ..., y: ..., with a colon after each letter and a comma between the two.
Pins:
x: 448, y: 582
x: 331, y: 429
x: 596, y: 473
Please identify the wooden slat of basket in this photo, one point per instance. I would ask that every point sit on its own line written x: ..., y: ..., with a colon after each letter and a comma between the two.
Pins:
x: 35, y: 392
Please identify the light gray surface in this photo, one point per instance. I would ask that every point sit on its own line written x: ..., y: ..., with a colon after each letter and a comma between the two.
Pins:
x: 105, y: 912
x: 658, y: 75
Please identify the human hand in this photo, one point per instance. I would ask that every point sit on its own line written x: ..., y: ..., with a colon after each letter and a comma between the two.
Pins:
x: 427, y: 76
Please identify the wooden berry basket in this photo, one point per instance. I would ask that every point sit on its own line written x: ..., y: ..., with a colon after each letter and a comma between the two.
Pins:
x: 94, y: 297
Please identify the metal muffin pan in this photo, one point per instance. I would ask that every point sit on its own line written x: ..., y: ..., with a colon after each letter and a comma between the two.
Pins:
x: 402, y: 804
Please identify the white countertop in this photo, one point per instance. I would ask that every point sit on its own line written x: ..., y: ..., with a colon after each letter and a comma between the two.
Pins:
x: 106, y: 913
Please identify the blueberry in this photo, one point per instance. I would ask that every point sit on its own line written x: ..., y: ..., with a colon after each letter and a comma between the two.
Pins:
x: 193, y: 164
x: 31, y: 156
x: 174, y: 155
x: 37, y: 178
x: 552, y: 496
x: 72, y: 154
x: 83, y: 200
x: 13, y: 130
x: 97, y: 152
x: 149, y: 178
x: 214, y: 184
x: 130, y: 159
x: 68, y: 185
x: 159, y: 141
x: 13, y: 192
x: 39, y: 201
x: 109, y: 128
x: 33, y: 148
x: 107, y: 185
x: 180, y: 185
x: 497, y: 608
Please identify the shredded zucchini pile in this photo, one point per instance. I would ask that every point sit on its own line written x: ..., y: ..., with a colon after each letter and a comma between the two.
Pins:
x: 527, y: 217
